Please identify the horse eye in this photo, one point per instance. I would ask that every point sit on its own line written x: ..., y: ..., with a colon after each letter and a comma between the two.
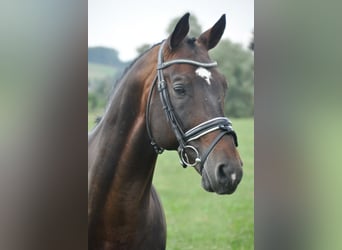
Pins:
x: 179, y: 89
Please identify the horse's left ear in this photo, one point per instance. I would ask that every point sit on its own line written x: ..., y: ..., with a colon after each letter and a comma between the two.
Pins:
x: 211, y: 37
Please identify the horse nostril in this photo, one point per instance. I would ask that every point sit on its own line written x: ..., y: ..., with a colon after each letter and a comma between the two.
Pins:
x: 221, y: 173
x: 227, y: 174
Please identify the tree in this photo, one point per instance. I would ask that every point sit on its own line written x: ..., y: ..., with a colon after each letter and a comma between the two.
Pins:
x: 251, y: 44
x: 141, y: 49
x: 103, y: 55
x: 237, y: 65
x: 99, y: 93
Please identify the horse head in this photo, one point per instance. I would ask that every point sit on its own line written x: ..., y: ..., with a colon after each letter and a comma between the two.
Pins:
x: 188, y: 115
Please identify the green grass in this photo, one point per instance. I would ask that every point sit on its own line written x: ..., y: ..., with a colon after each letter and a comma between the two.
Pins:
x: 197, y: 219
x: 100, y: 71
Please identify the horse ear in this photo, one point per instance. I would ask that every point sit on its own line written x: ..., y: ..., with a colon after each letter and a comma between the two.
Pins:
x: 211, y: 37
x: 179, y: 33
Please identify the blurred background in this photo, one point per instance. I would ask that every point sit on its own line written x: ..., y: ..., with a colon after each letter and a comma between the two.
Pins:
x: 297, y: 111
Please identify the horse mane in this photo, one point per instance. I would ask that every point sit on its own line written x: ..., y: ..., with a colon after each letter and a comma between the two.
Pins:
x: 118, y: 80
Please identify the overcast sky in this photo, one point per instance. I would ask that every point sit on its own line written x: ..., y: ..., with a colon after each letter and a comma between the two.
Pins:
x: 127, y: 24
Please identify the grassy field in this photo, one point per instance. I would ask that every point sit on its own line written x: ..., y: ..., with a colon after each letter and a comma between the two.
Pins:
x: 200, y: 220
x: 197, y: 219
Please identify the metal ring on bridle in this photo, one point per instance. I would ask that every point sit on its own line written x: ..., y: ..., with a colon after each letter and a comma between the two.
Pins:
x: 185, y: 158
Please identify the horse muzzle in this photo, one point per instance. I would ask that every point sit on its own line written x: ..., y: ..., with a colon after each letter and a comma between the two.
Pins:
x: 223, y: 178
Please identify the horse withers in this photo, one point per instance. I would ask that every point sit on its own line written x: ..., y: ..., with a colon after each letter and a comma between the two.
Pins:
x: 171, y: 97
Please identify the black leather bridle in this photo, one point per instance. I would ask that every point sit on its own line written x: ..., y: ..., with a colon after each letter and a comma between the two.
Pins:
x: 184, y: 138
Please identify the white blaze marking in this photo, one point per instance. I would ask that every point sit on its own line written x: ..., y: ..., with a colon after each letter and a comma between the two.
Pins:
x: 233, y: 176
x: 204, y: 73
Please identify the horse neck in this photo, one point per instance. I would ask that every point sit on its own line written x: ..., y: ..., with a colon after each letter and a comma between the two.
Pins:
x: 120, y: 155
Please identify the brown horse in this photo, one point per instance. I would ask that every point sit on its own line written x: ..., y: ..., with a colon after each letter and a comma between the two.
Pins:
x: 171, y: 97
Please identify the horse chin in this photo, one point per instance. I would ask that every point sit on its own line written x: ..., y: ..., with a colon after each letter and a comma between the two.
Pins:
x: 210, y: 187
x: 206, y: 183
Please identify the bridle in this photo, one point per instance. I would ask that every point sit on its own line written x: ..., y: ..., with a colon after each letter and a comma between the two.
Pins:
x: 184, y: 138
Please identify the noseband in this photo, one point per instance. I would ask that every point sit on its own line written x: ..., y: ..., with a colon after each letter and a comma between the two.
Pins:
x: 222, y: 124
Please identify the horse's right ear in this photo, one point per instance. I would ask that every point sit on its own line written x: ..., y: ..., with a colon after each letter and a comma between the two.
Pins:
x: 179, y: 33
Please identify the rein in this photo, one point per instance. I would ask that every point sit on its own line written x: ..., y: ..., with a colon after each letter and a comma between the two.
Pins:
x: 218, y: 123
